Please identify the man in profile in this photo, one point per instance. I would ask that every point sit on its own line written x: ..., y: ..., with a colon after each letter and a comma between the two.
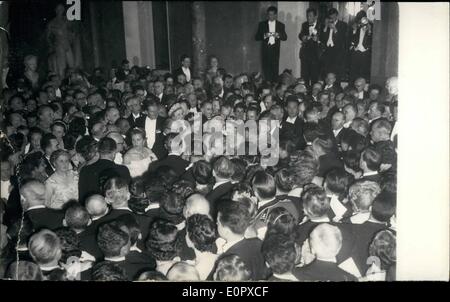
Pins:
x: 271, y: 32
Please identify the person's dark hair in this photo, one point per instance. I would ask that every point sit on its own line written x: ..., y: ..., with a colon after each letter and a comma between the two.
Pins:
x: 107, y: 146
x: 24, y: 271
x: 151, y: 276
x: 78, y: 126
x: 372, y: 158
x: 86, y: 147
x: 167, y: 175
x: 202, y: 172
x: 272, y: 9
x: 240, y: 166
x: 29, y: 164
x: 202, y: 231
x: 17, y: 140
x: 231, y: 268
x: 251, y: 171
x: 380, y: 106
x: 283, y: 180
x: 332, y: 11
x: 111, y: 239
x: 235, y: 216
x: 315, y: 201
x: 281, y: 221
x: 172, y: 203
x: 311, y: 131
x: 338, y: 182
x: 264, y: 185
x: 154, y: 188
x: 311, y: 10
x: 108, y: 271
x: 355, y: 140
x: 46, y: 140
x: 351, y: 160
x: 383, y: 206
x: 130, y: 222
x: 70, y: 140
x: 76, y: 216
x: 184, y: 188
x: 279, y: 252
x: 162, y: 240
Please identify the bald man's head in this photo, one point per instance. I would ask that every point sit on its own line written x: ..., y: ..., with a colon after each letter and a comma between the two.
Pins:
x: 96, y: 206
x: 196, y: 204
x: 33, y: 194
x: 325, y: 241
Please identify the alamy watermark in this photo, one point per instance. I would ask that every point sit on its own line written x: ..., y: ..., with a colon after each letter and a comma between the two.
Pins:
x: 227, y: 137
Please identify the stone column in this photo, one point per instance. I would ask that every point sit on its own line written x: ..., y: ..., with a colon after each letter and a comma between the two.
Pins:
x: 199, y: 37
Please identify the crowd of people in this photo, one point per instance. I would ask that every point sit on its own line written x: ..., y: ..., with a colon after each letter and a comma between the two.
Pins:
x: 92, y: 189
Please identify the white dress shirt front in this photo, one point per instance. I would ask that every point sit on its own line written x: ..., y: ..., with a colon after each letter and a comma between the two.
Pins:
x: 272, y: 25
x: 187, y: 72
x: 150, y: 131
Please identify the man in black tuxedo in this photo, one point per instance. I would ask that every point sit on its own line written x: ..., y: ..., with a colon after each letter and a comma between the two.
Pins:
x: 159, y: 93
x: 49, y: 144
x: 173, y: 159
x: 133, y: 104
x: 331, y: 84
x: 92, y: 176
x: 325, y: 241
x: 309, y: 53
x: 151, y: 123
x: 370, y: 164
x: 114, y: 241
x: 292, y: 125
x: 33, y: 203
x: 361, y: 48
x: 223, y: 170
x: 271, y: 32
x: 337, y: 127
x: 232, y: 221
x: 333, y: 38
x: 184, y: 69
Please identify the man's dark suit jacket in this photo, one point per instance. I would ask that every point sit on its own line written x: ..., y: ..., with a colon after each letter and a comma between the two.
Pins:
x: 88, y: 242
x: 89, y: 182
x: 249, y: 250
x: 13, y: 206
x: 158, y: 147
x: 328, y: 162
x: 310, y: 48
x: 179, y: 71
x: 140, y: 122
x: 173, y: 161
x: 293, y: 132
x: 263, y: 27
x: 45, y: 218
x: 215, y: 196
x: 137, y: 262
x: 48, y: 167
x: 364, y: 234
x: 132, y: 120
x: 322, y: 271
